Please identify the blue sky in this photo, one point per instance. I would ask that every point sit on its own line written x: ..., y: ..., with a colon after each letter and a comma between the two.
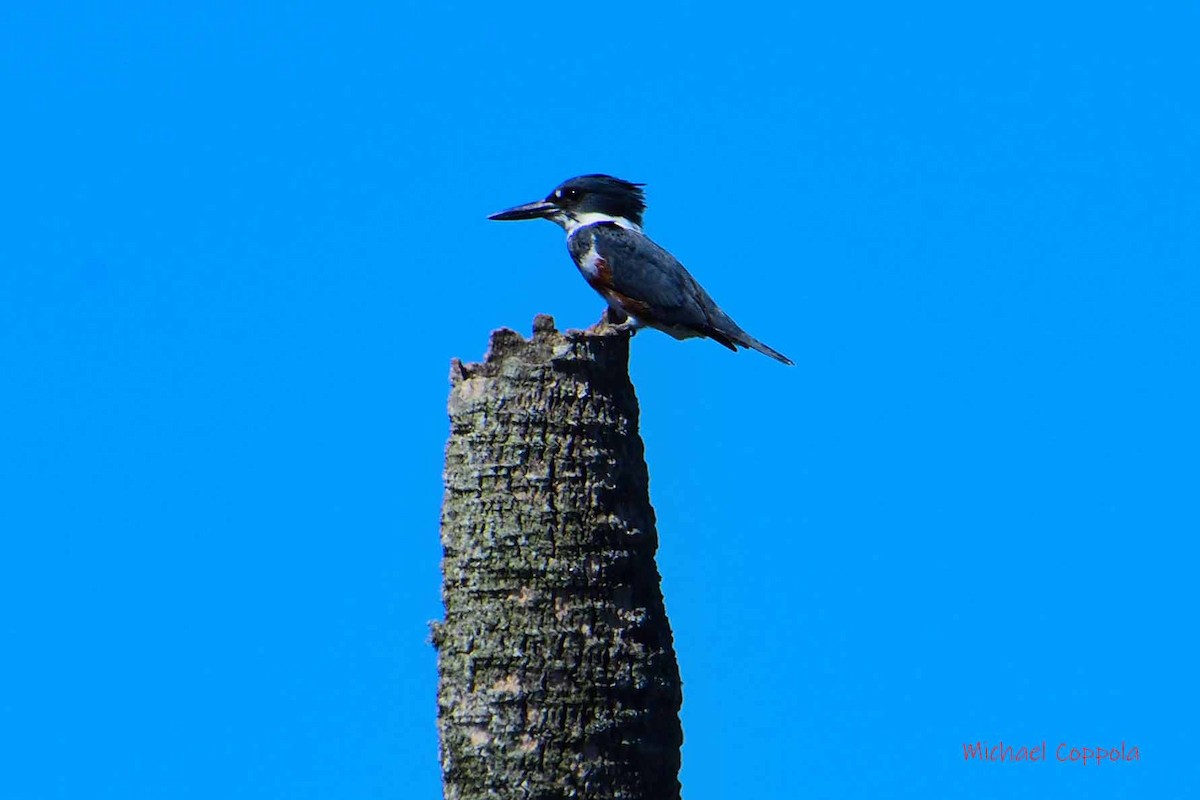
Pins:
x: 242, y: 245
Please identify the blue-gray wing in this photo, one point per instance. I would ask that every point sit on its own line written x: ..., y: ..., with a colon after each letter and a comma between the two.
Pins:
x: 650, y: 283
x: 640, y: 270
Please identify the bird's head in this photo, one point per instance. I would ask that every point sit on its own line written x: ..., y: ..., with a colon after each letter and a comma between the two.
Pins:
x: 585, y: 200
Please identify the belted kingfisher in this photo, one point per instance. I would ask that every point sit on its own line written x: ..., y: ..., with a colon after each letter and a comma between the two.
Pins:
x: 602, y: 216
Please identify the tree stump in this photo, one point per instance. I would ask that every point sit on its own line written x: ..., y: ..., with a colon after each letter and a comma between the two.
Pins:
x: 557, y: 674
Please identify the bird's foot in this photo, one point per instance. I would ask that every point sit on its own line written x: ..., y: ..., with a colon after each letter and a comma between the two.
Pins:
x: 630, y: 326
x: 615, y: 320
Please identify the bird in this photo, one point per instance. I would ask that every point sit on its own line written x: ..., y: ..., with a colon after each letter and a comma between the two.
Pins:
x: 642, y: 283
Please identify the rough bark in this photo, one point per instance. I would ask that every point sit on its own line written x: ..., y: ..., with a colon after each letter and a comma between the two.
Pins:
x: 557, y: 674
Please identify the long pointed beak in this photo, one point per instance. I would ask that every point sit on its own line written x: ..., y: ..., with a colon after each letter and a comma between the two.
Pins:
x: 539, y: 209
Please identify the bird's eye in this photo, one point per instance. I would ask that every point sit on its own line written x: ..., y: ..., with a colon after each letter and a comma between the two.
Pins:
x: 571, y: 194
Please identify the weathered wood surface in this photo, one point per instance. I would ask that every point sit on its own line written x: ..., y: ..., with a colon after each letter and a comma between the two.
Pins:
x: 557, y: 675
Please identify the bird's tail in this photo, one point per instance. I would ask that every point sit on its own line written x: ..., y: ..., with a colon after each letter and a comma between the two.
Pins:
x: 729, y: 333
x: 749, y: 341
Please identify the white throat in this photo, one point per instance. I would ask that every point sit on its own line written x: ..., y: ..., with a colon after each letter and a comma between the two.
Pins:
x: 573, y: 222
